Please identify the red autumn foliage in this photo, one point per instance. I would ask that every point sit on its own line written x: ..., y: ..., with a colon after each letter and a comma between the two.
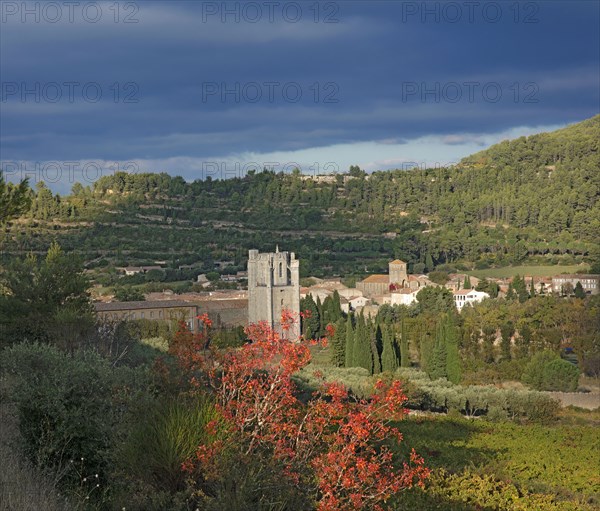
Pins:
x: 336, y: 448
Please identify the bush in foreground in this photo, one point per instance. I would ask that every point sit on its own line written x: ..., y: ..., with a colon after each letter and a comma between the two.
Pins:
x: 334, y: 451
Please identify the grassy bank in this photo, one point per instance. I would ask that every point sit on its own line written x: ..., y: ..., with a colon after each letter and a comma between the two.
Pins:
x: 530, y: 271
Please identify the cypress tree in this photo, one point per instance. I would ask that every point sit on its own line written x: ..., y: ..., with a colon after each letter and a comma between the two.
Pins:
x: 425, y: 351
x: 389, y: 358
x: 489, y: 336
x: 349, y: 354
x: 310, y: 325
x: 376, y: 346
x: 320, y: 315
x: 429, y: 262
x: 579, y: 292
x: 338, y: 344
x: 336, y: 306
x: 467, y: 282
x: 362, y: 346
x: 437, y: 367
x: 532, y: 289
x: 404, y: 354
x: 452, y: 355
x: 507, y: 330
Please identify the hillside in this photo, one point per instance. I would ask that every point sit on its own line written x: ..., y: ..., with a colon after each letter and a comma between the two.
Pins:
x: 532, y: 199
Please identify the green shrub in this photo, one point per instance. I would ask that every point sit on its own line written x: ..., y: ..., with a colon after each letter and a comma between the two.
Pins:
x: 533, y: 375
x: 560, y: 375
x: 68, y: 407
x: 158, y: 343
x: 546, y: 371
x: 476, y: 400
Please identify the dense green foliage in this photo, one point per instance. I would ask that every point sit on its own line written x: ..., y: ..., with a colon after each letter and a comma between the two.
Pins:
x: 546, y: 371
x: 68, y: 409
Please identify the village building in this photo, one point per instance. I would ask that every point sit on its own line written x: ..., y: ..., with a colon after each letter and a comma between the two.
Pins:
x: 132, y: 270
x: 379, y: 284
x: 225, y: 308
x: 358, y: 302
x: 160, y: 310
x: 467, y: 297
x: 404, y: 296
x: 565, y: 284
x: 382, y: 299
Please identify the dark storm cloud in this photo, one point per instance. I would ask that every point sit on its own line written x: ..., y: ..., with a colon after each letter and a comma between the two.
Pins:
x: 386, y: 71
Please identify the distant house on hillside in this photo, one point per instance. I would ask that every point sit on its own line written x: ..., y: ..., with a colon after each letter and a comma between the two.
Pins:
x: 132, y: 270
x: 589, y: 283
x: 468, y: 296
x: 357, y: 302
x: 404, y: 296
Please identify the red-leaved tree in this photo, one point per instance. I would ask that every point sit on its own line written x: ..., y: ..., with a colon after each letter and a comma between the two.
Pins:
x: 337, y: 449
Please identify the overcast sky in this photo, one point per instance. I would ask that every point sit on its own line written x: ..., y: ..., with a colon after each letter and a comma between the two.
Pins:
x: 213, y: 88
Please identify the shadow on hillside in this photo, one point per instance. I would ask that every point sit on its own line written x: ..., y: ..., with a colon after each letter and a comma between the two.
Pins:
x: 444, y: 444
x: 443, y: 441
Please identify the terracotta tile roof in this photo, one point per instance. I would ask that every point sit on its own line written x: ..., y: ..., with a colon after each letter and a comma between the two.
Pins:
x: 377, y: 279
x: 158, y: 304
x: 397, y: 261
x: 407, y: 291
x: 462, y: 292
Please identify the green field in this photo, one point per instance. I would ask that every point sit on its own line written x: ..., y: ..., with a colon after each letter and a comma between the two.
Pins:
x: 529, y: 271
x: 481, y: 465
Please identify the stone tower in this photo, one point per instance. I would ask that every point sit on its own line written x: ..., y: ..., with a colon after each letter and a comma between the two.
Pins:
x: 398, y: 273
x: 274, y: 286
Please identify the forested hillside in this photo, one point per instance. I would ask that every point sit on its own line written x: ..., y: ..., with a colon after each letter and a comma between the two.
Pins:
x: 534, y: 198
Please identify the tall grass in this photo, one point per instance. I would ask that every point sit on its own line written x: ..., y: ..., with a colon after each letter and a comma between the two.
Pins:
x: 167, y: 436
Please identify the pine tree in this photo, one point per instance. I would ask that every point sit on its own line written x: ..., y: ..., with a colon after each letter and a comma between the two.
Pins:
x: 349, y: 354
x: 579, y: 292
x: 404, y: 353
x: 15, y: 200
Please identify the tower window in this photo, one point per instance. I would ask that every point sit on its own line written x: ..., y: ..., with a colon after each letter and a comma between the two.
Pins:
x: 280, y: 270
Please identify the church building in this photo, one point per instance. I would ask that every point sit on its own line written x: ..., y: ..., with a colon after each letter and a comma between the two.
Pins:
x: 274, y: 287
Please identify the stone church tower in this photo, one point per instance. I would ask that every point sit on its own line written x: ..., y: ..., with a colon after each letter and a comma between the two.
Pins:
x: 274, y: 286
x: 397, y: 272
